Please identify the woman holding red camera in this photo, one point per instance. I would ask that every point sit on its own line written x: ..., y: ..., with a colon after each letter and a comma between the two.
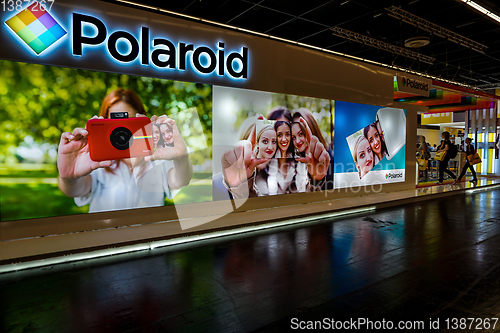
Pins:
x: 127, y: 183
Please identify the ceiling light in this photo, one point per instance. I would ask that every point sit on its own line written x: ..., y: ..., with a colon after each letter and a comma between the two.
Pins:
x: 478, y: 7
x: 416, y: 42
x: 355, y: 37
x: 435, y: 29
x: 482, y: 10
x: 494, y: 16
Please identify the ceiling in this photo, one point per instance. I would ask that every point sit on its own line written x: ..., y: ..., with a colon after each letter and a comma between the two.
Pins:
x: 310, y: 21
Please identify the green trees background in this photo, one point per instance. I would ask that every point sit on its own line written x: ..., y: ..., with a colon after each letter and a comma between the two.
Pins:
x: 38, y: 103
x: 45, y: 101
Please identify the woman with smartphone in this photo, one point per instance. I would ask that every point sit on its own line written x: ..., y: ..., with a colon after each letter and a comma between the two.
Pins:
x: 126, y: 183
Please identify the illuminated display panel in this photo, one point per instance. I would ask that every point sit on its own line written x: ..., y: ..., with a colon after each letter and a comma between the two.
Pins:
x: 40, y: 103
x: 288, y: 140
x: 370, y: 145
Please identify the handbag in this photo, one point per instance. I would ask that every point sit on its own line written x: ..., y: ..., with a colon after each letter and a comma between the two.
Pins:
x: 422, y: 164
x: 440, y: 156
x: 474, y: 159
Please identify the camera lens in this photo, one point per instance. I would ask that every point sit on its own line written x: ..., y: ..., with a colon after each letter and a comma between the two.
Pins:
x: 121, y: 138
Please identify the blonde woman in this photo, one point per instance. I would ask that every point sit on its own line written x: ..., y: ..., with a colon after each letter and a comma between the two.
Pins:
x: 265, y: 146
x: 363, y: 156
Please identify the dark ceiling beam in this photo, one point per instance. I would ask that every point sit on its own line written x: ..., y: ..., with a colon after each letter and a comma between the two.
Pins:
x: 435, y: 29
x: 300, y: 17
x: 243, y: 12
x: 337, y: 31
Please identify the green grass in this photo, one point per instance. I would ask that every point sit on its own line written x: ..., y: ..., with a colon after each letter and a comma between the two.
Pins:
x: 34, y: 200
x: 200, y: 191
x: 28, y: 170
x: 30, y: 197
x: 202, y: 175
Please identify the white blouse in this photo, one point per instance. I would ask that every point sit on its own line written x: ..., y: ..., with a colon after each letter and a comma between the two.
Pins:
x: 123, y: 190
x: 276, y: 183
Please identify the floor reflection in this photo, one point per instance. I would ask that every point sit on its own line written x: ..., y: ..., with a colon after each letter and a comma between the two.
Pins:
x: 378, y: 265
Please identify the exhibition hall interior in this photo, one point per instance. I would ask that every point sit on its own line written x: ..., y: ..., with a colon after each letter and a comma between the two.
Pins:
x: 249, y: 165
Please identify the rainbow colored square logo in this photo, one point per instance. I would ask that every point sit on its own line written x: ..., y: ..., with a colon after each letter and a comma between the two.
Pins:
x: 36, y: 27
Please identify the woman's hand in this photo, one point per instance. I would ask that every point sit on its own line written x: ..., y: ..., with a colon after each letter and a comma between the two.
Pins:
x: 238, y: 164
x: 317, y: 157
x: 73, y: 159
x: 179, y: 148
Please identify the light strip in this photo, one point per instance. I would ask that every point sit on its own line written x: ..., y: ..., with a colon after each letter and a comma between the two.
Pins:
x: 170, y: 242
x: 72, y: 258
x: 401, y: 69
x: 482, y: 10
x: 481, y: 189
x: 261, y: 227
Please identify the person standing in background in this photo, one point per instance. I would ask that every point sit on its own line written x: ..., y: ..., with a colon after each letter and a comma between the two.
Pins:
x: 443, y: 165
x: 424, y: 154
x: 470, y: 151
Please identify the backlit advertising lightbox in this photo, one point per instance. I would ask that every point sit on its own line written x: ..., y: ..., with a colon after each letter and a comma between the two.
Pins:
x: 47, y: 157
x: 369, y: 145
x: 100, y: 113
x: 285, y: 142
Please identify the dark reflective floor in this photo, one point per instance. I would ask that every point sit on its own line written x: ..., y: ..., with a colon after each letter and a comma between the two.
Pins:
x: 435, y: 259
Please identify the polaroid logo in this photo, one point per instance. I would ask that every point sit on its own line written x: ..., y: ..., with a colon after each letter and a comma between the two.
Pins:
x: 394, y: 175
x: 415, y: 84
x: 36, y: 27
x: 162, y: 54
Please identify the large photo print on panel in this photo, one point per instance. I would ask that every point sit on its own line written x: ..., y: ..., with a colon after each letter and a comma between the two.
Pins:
x: 268, y: 144
x: 148, y: 144
x: 370, y: 145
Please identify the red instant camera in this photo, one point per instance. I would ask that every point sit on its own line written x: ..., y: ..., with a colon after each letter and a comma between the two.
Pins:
x: 115, y: 139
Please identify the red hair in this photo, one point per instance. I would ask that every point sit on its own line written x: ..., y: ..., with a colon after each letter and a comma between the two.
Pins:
x: 121, y: 95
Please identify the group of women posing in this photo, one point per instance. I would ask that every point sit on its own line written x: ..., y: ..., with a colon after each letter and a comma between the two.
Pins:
x: 288, y: 155
x: 369, y: 149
